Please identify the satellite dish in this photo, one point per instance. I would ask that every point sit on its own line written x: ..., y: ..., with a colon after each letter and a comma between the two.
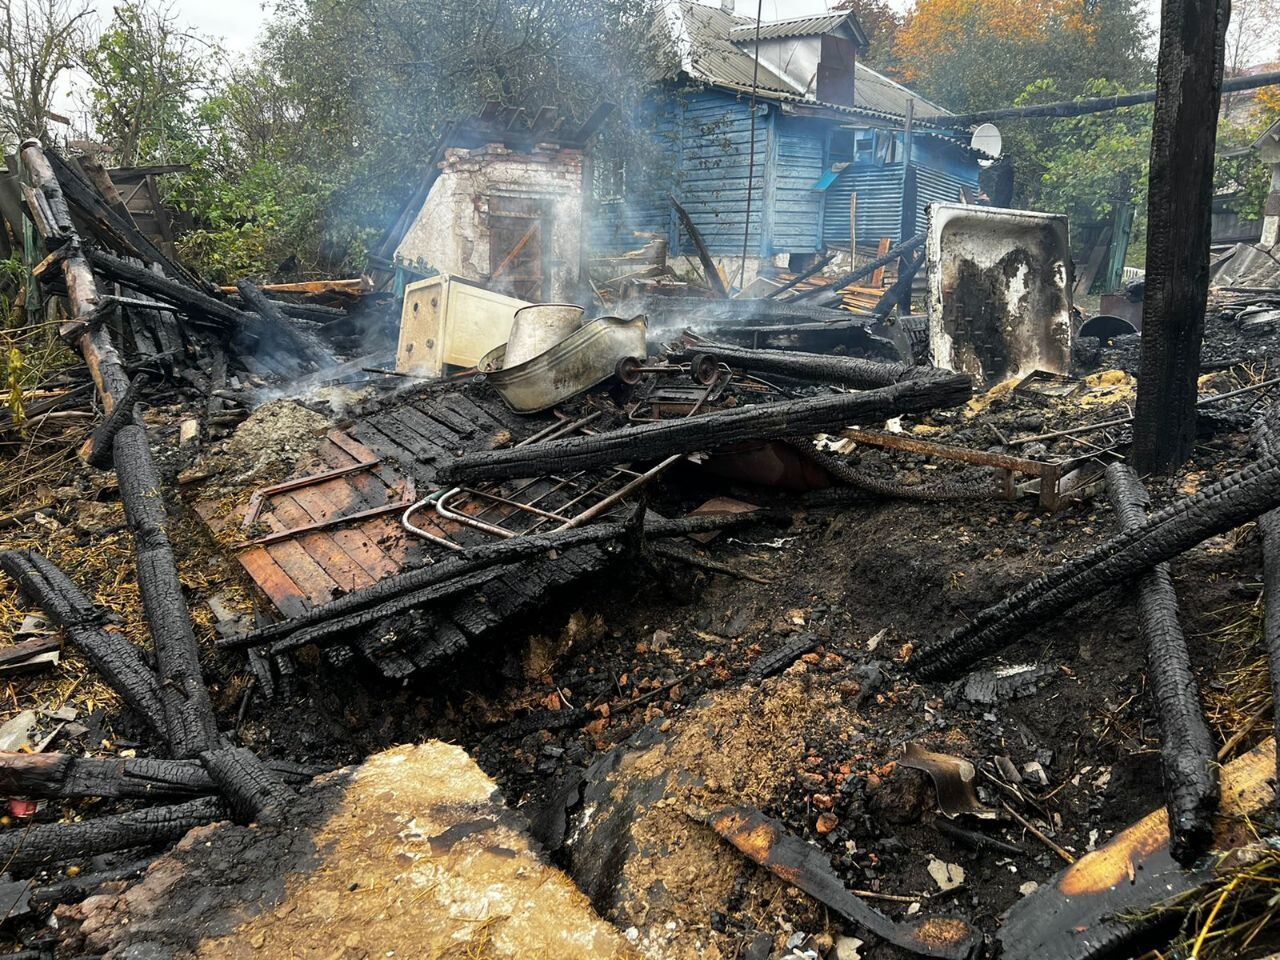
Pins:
x: 986, y: 139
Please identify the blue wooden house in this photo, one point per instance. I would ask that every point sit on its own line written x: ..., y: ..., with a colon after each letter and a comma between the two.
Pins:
x: 826, y: 128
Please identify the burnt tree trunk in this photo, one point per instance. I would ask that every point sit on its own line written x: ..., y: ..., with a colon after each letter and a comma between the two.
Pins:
x: 1186, y: 747
x: 119, y: 661
x: 188, y: 710
x: 656, y: 441
x: 45, y: 843
x: 1179, y: 205
x: 1223, y: 506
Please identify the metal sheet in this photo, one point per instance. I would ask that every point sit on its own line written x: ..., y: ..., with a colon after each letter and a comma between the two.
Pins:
x: 999, y: 296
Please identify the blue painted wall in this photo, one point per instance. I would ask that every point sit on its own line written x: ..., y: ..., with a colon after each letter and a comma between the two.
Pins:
x: 702, y: 137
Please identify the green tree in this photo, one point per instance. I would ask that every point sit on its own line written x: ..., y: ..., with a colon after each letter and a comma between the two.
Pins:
x: 39, y: 40
x: 148, y: 78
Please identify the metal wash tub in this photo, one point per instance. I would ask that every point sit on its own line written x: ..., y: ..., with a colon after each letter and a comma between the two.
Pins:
x: 999, y: 291
x: 586, y: 357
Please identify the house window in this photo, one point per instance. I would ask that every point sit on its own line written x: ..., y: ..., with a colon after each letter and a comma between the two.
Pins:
x: 864, y: 147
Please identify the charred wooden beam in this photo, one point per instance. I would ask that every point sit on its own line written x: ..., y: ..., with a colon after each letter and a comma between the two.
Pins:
x: 800, y: 277
x: 102, y: 442
x: 53, y: 842
x: 92, y: 339
x: 850, y: 371
x: 170, y: 291
x: 188, y: 711
x: 61, y: 776
x: 853, y: 276
x: 279, y: 330
x: 656, y: 441
x: 119, y: 661
x: 714, y: 280
x: 1179, y: 225
x: 1187, y: 753
x: 1267, y: 436
x: 75, y: 889
x: 1222, y: 506
x: 252, y: 790
x: 40, y: 172
x: 900, y: 290
x: 453, y: 569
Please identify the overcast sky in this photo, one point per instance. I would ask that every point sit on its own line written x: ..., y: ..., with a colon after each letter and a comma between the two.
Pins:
x: 237, y: 21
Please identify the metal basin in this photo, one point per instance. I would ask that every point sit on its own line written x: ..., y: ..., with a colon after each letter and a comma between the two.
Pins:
x: 586, y: 357
x: 540, y: 326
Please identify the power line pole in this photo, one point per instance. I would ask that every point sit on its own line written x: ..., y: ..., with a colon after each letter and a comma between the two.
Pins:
x: 1179, y: 209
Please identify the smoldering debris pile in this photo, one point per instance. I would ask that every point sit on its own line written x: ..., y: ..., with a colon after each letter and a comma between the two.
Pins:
x: 777, y: 723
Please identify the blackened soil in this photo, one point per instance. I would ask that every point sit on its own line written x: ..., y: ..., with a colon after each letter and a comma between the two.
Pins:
x: 868, y: 581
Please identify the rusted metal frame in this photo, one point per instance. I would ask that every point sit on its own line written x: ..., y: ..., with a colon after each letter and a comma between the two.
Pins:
x: 1049, y: 473
x: 262, y: 494
x: 406, y: 501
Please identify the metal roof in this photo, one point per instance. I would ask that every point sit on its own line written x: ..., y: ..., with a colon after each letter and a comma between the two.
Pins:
x: 798, y: 27
x: 712, y: 56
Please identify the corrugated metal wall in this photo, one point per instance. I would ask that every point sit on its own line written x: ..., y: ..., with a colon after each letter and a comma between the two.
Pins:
x: 879, y: 190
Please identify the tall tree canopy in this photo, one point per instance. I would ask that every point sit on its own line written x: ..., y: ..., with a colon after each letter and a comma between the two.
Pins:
x: 975, y: 54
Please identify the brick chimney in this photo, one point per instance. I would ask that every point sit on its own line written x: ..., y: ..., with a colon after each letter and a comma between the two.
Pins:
x: 836, y: 64
x: 727, y: 6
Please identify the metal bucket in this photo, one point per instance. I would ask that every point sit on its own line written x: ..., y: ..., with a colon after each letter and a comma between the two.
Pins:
x: 585, y: 358
x: 539, y: 327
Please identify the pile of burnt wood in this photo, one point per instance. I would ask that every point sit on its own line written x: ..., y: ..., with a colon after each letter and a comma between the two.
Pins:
x: 130, y: 307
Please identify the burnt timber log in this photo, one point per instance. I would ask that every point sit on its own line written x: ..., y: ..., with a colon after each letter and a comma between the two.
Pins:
x: 119, y: 661
x: 45, y: 181
x: 278, y: 333
x: 853, y: 276
x: 1187, y: 754
x: 53, y: 842
x: 92, y: 339
x: 188, y: 710
x: 251, y: 789
x: 1180, y: 195
x: 656, y: 441
x: 849, y: 371
x: 1222, y: 506
x: 61, y: 776
x: 1267, y: 435
x: 800, y: 278
x: 75, y: 889
x: 404, y: 591
x: 102, y: 442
